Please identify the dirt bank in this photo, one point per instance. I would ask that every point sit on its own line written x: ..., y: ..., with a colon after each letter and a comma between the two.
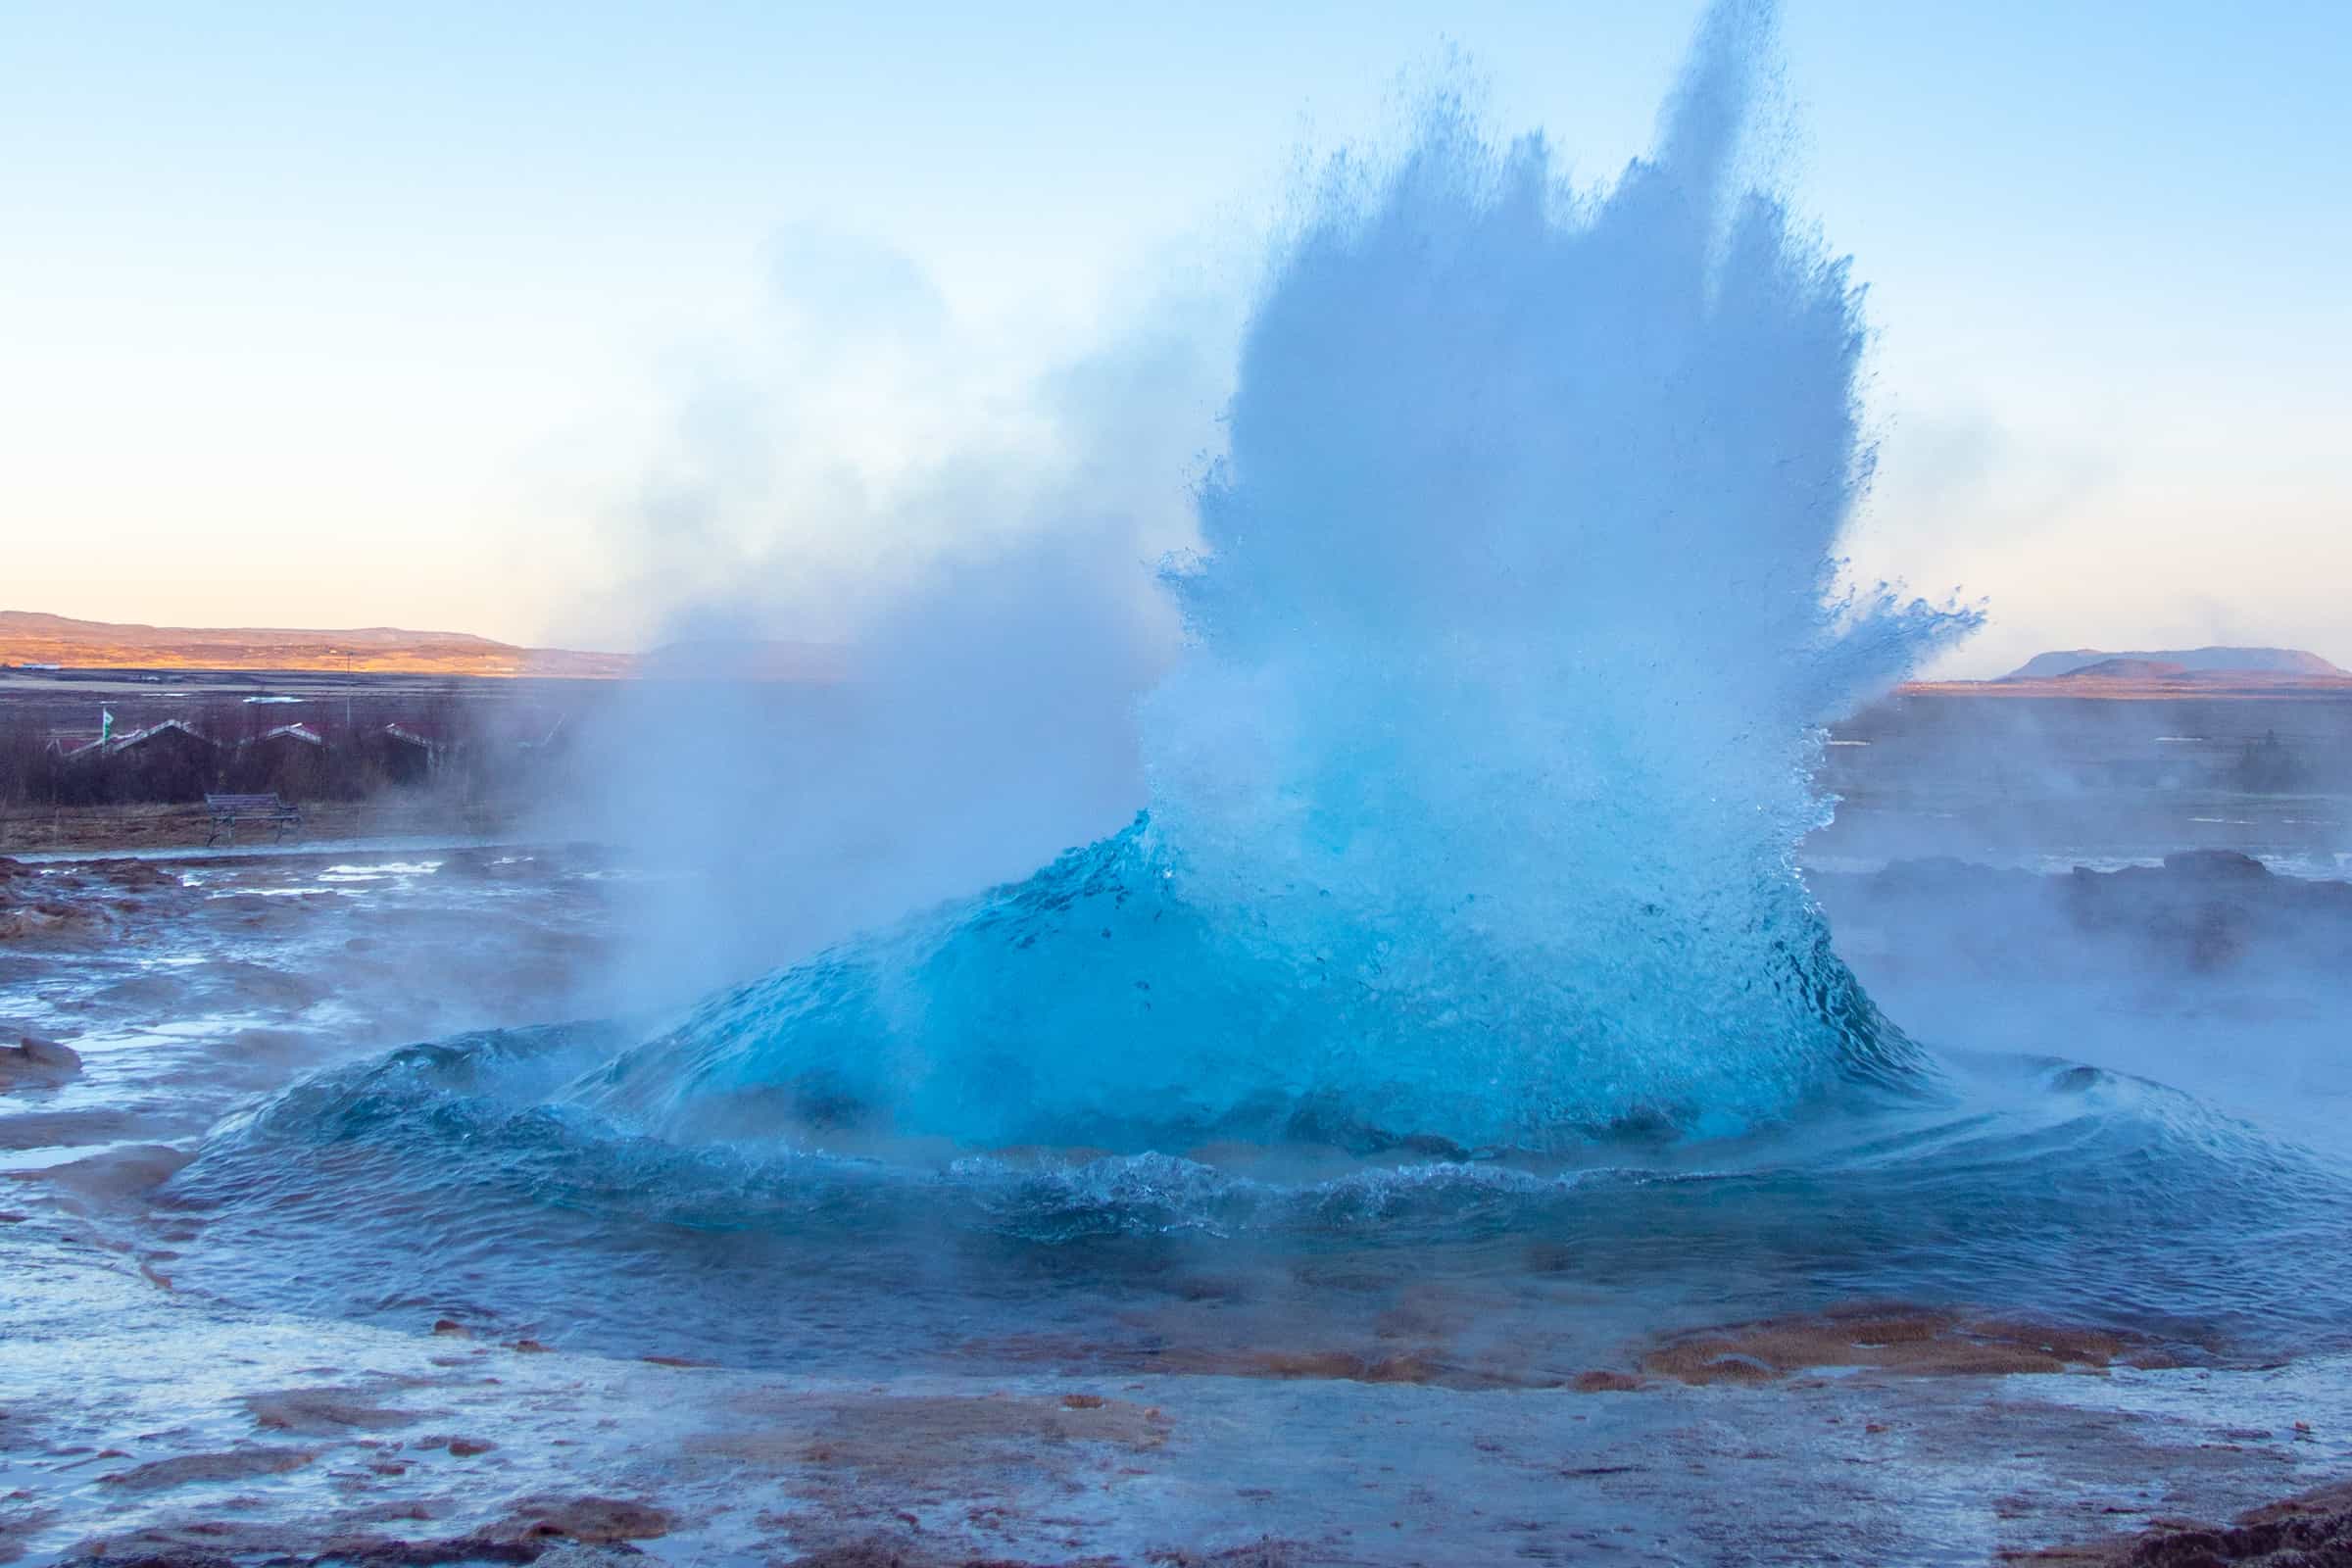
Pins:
x: 134, y: 829
x: 2311, y: 1530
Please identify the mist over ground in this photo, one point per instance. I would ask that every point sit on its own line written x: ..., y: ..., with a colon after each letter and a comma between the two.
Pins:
x: 981, y: 618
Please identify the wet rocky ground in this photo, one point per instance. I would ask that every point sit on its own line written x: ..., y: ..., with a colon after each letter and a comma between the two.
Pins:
x: 2194, y: 913
x: 142, y: 1421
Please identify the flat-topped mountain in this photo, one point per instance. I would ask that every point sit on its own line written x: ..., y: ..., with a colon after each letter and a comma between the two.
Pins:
x: 2190, y: 673
x: 2175, y: 662
x: 30, y: 638
x: 2120, y: 667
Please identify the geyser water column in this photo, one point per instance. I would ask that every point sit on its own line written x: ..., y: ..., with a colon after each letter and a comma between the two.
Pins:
x: 1474, y: 801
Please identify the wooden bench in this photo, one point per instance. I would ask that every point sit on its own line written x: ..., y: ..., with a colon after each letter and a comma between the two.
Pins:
x: 230, y: 810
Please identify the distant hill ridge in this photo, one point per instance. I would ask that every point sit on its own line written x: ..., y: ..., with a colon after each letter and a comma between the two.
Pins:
x: 29, y: 637
x: 2079, y: 673
x: 2175, y: 662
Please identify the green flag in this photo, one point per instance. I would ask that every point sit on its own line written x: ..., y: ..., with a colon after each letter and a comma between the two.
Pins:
x: 105, y: 726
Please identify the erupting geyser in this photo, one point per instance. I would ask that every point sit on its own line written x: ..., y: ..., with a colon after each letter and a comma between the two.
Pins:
x: 1472, y: 822
x: 1474, y: 802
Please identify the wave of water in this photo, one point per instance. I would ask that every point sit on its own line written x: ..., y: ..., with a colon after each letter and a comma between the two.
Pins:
x: 1099, y: 1003
x: 459, y: 1180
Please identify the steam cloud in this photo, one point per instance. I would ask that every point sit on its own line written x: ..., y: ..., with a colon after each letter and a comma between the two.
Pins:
x: 954, y: 578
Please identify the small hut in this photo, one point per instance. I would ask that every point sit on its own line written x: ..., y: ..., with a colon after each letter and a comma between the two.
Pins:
x: 289, y: 761
x: 165, y: 762
x: 406, y: 756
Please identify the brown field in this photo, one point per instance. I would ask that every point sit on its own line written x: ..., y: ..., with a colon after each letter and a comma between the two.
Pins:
x: 27, y: 638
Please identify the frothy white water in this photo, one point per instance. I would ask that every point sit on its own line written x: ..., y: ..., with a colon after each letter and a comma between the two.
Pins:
x: 1474, y: 803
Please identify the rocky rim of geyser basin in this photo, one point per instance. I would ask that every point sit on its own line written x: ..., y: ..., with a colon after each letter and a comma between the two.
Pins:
x: 854, y: 1463
x: 34, y: 1063
x: 79, y: 901
x: 2313, y: 1530
x: 1888, y: 1339
x: 1897, y: 1338
x: 559, y: 1532
x: 2202, y: 911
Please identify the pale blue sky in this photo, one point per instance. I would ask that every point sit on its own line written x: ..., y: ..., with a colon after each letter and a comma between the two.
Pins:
x: 332, y: 315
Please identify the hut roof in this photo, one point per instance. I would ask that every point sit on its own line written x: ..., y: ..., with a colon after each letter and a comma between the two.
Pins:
x: 288, y: 732
x: 156, y: 732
